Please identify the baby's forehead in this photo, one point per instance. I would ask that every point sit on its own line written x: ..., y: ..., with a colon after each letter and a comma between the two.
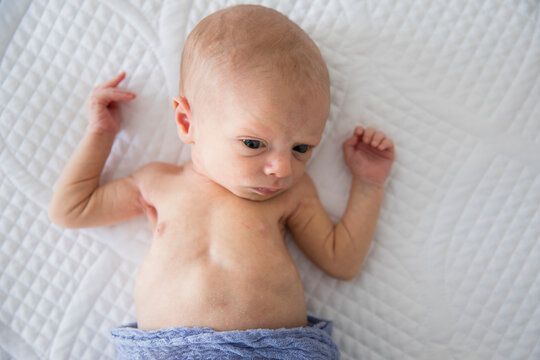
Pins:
x: 264, y: 107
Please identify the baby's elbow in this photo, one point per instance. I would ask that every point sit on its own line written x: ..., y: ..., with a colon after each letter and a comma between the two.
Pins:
x: 59, y: 217
x: 345, y: 276
x: 344, y: 268
x: 342, y: 273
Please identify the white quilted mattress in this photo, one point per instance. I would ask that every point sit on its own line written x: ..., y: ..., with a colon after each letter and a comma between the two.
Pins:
x: 453, y: 272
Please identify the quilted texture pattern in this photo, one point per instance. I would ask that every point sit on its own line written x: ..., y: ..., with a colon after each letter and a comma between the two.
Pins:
x: 454, y: 267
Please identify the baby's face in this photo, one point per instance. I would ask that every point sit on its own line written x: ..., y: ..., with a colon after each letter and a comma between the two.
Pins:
x: 257, y: 136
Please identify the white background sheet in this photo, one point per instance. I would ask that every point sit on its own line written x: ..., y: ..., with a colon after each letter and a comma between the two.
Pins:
x: 454, y: 267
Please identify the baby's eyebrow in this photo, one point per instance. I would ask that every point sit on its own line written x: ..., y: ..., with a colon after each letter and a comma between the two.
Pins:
x: 311, y: 141
x: 252, y: 131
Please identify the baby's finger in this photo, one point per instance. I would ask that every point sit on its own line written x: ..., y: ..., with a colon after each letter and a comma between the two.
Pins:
x: 358, y: 130
x: 378, y: 138
x: 387, y: 144
x: 106, y: 96
x: 368, y: 135
x: 115, y: 81
x: 114, y: 94
x: 349, y: 143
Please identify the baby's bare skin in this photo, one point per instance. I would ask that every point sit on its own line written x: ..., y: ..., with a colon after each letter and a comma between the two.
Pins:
x: 216, y: 260
x: 219, y: 259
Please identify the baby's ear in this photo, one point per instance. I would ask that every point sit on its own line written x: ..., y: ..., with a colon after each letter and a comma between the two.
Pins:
x: 182, y: 115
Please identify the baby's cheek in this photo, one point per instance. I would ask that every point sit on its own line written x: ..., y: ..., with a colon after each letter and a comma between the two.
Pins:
x: 298, y: 171
x: 245, y: 176
x: 245, y: 168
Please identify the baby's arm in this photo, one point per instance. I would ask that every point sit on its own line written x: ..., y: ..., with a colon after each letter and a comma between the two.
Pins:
x: 340, y: 249
x: 78, y: 200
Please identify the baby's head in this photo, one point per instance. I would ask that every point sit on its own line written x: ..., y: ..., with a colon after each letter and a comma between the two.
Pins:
x: 254, y: 99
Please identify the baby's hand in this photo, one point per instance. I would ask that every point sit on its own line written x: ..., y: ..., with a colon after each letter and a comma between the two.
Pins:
x: 369, y: 155
x: 102, y: 106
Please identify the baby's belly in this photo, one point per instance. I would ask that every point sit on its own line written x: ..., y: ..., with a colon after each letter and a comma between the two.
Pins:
x: 201, y: 286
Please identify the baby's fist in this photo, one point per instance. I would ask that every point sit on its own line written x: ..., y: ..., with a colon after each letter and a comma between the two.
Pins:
x: 369, y: 154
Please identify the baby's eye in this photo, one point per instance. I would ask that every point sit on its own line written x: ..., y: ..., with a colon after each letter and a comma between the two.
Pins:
x: 252, y: 144
x: 301, y: 148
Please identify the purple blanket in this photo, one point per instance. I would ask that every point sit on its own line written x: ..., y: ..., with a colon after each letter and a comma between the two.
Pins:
x: 311, y: 342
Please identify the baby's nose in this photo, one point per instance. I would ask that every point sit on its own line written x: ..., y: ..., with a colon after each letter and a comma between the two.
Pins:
x: 278, y: 165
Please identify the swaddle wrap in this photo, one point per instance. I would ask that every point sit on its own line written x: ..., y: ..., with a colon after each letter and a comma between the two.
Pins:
x: 311, y: 342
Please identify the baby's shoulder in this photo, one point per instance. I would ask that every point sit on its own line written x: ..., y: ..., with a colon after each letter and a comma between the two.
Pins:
x: 304, y: 187
x: 162, y: 167
x: 159, y: 168
x: 155, y: 173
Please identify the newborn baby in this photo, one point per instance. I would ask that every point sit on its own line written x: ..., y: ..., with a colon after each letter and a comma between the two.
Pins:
x: 253, y: 102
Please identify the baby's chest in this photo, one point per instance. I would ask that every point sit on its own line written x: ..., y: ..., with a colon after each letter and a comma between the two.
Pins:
x: 222, y: 230
x: 218, y: 214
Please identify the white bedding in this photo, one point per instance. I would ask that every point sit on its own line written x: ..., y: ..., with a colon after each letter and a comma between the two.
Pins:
x: 453, y: 272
